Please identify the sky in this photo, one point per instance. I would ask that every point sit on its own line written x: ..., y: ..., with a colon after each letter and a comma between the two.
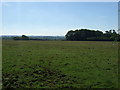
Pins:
x: 57, y: 18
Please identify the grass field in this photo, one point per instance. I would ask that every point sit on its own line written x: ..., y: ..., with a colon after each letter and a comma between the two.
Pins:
x: 60, y: 64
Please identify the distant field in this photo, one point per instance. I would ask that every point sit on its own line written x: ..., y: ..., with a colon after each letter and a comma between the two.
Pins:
x: 60, y: 64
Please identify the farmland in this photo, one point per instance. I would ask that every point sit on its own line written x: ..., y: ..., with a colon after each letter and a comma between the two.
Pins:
x: 59, y: 64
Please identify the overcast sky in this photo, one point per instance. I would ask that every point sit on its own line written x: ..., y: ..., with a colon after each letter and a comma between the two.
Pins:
x: 57, y: 18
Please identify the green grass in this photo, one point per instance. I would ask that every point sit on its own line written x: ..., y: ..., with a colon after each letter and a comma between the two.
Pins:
x: 60, y: 64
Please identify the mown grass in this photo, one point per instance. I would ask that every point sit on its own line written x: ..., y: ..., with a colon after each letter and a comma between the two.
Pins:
x: 60, y: 64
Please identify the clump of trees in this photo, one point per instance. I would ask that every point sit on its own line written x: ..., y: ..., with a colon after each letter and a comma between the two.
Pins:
x: 23, y: 37
x: 92, y: 35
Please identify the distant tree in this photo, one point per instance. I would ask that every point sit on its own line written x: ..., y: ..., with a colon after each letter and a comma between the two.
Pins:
x: 114, y: 32
x: 23, y: 37
x: 91, y: 35
x: 82, y: 34
x: 70, y: 35
x: 16, y: 38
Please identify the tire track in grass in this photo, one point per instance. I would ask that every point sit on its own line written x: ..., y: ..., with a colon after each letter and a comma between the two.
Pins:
x: 39, y: 77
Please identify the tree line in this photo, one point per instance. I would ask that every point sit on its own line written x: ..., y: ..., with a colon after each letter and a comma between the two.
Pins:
x: 92, y: 35
x: 42, y: 38
x: 23, y: 37
x: 83, y: 35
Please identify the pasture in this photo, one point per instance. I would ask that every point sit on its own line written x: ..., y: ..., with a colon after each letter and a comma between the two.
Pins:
x: 59, y: 64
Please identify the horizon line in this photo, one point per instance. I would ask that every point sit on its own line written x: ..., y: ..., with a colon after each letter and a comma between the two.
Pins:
x: 27, y: 35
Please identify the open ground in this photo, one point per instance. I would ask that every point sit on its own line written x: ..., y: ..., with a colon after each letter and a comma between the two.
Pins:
x: 59, y: 64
